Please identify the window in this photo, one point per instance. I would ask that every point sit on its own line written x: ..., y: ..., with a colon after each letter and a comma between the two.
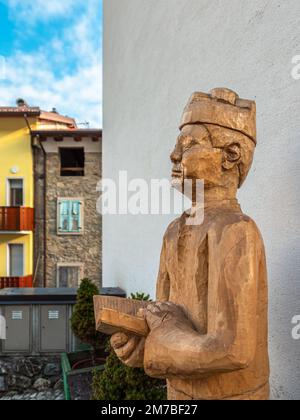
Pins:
x: 15, y: 193
x: 71, y: 162
x: 16, y: 260
x: 69, y: 275
x: 70, y: 216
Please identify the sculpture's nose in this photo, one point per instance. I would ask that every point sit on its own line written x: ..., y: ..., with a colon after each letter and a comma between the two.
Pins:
x: 176, y: 156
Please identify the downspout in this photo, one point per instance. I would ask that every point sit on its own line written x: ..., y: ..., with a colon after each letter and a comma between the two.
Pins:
x: 44, y: 198
x: 45, y: 211
x: 33, y: 253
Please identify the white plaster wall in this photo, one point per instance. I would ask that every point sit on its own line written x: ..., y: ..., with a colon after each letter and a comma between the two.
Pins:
x: 156, y: 53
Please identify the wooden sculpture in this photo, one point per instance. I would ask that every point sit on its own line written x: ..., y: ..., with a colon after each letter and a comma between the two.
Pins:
x: 208, y: 330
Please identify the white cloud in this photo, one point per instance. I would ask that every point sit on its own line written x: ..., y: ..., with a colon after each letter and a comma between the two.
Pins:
x: 78, y: 94
x: 41, y: 9
x: 45, y: 77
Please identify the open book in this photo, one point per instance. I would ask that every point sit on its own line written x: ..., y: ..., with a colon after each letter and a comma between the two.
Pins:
x: 113, y: 314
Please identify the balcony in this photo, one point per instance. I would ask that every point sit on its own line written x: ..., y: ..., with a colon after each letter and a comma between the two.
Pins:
x: 16, y: 282
x: 16, y: 219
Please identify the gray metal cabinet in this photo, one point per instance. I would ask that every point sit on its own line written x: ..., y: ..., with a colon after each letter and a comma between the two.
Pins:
x: 54, y: 328
x: 38, y: 320
x: 18, y: 329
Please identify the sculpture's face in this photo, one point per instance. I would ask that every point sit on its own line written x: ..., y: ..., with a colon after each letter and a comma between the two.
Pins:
x: 195, y: 158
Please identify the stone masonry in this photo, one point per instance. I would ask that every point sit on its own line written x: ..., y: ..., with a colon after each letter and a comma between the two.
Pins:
x: 86, y: 248
x: 30, y: 375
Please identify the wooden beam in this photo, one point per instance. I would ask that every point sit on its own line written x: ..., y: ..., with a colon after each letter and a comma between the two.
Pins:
x: 113, y: 314
x: 72, y: 169
x: 111, y: 321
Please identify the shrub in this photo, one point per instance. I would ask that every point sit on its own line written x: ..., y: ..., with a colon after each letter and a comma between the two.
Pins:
x: 83, y: 318
x: 119, y: 382
x: 140, y: 296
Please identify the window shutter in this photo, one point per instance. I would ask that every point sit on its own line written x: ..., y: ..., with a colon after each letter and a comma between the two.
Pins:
x: 76, y: 216
x: 70, y: 216
x: 64, y: 215
x: 79, y: 215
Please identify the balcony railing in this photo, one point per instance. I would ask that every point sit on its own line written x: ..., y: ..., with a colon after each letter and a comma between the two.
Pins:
x: 16, y: 219
x: 16, y: 282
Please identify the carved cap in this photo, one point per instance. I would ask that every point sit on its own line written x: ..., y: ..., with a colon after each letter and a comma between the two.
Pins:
x: 224, y: 108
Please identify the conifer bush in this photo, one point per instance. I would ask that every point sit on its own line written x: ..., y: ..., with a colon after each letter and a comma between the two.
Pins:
x: 140, y: 296
x: 120, y: 383
x: 83, y: 318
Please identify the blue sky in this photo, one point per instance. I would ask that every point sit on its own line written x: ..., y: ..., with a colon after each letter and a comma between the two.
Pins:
x: 51, y: 55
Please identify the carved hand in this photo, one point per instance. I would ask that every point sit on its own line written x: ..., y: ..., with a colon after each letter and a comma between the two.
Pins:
x: 129, y: 349
x: 159, y: 313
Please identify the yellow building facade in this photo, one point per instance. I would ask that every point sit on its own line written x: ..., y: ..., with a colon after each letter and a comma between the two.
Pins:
x: 16, y: 198
x: 17, y: 189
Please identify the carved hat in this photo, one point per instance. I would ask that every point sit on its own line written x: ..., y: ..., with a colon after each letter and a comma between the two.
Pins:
x: 224, y: 108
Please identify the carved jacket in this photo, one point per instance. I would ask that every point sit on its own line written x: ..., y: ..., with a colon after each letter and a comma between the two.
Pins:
x: 217, y: 273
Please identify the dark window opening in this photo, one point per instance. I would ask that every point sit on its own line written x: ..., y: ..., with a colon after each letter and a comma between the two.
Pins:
x: 68, y: 277
x: 16, y: 193
x: 72, y: 162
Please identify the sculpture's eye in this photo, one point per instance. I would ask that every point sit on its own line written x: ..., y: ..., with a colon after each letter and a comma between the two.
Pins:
x: 188, y: 143
x: 194, y: 142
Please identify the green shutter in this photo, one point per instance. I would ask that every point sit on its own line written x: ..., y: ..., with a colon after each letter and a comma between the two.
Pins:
x: 75, y: 216
x: 63, y: 216
x: 70, y: 216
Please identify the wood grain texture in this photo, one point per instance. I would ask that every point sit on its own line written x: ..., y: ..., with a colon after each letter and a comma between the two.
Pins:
x: 111, y: 321
x: 209, y: 326
x: 113, y: 314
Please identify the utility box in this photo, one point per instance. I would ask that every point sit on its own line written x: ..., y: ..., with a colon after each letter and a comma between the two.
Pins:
x: 54, y: 324
x: 18, y: 329
x: 38, y: 320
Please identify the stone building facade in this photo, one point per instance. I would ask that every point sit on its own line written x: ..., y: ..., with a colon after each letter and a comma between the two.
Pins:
x: 68, y: 228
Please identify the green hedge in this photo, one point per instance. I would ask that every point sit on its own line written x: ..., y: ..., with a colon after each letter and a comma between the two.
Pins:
x: 119, y: 382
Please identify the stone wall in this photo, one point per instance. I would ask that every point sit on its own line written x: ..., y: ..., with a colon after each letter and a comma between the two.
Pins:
x: 30, y: 374
x: 85, y: 249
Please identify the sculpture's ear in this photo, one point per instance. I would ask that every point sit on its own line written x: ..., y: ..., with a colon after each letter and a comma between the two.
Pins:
x: 231, y: 155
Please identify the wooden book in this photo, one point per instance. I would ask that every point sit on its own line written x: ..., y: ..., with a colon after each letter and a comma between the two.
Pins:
x: 113, y: 314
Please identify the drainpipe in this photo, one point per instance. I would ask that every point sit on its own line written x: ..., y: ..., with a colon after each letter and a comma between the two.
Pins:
x: 44, y: 198
x: 30, y: 131
x: 45, y: 211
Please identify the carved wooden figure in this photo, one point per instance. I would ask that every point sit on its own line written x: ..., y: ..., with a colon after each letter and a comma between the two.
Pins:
x: 209, y: 327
